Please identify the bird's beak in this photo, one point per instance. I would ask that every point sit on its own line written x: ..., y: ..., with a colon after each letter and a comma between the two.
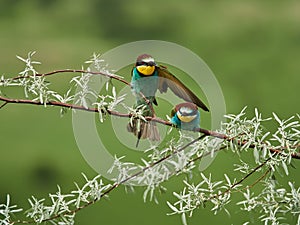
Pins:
x: 152, y: 64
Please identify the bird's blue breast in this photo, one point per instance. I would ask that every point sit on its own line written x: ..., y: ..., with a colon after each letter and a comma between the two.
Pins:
x: 146, y: 84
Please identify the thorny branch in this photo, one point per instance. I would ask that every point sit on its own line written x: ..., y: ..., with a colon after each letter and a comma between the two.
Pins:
x: 128, y: 115
x: 109, y: 75
x: 237, y: 183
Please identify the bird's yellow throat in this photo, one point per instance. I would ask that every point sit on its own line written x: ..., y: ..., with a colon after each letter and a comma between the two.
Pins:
x: 186, y: 119
x: 146, y: 70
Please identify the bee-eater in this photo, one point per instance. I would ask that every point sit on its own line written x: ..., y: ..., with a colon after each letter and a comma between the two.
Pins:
x: 186, y: 116
x: 147, y: 78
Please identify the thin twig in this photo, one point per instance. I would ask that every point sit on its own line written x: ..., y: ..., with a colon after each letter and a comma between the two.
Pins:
x: 204, y: 155
x: 252, y: 172
x: 259, y: 179
x: 163, y: 159
x: 230, y: 189
x: 109, y: 75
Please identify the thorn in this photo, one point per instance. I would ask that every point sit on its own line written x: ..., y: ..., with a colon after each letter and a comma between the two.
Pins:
x: 4, y: 104
x: 137, y: 143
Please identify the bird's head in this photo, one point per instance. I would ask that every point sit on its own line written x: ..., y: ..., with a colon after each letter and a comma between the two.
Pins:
x: 186, y: 112
x: 145, y: 64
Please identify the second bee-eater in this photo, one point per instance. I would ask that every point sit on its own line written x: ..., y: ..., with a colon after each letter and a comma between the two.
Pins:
x: 186, y: 116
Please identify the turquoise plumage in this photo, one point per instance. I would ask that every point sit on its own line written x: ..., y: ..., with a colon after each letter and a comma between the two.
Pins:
x: 147, y: 85
x: 186, y: 116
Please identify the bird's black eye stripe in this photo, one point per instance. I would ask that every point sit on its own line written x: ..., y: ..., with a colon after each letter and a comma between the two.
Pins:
x: 140, y: 63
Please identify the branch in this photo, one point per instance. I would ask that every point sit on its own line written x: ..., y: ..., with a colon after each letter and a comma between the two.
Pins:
x: 109, y: 75
x: 119, y: 78
x: 128, y: 115
x: 61, y: 104
x: 252, y: 172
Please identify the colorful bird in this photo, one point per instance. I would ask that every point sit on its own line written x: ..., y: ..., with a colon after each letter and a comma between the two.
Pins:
x: 147, y: 78
x: 186, y: 116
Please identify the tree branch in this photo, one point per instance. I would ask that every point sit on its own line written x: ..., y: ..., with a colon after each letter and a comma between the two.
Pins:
x: 109, y: 75
x: 252, y: 172
x: 128, y: 115
x: 119, y: 78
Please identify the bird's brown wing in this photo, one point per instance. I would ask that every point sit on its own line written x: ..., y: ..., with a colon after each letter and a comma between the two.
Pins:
x: 168, y: 80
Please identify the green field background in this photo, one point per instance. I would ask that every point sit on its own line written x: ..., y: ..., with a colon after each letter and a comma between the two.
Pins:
x: 253, y: 48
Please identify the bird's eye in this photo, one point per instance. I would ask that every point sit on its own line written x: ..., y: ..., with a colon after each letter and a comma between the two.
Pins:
x: 140, y: 63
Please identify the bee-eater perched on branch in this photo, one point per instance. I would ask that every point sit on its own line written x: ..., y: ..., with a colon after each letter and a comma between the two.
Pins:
x: 186, y: 116
x: 147, y: 78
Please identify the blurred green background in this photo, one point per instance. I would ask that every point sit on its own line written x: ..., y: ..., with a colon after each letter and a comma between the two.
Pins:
x: 253, y: 47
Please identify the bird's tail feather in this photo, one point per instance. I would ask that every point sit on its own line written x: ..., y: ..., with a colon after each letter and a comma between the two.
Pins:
x: 146, y: 130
